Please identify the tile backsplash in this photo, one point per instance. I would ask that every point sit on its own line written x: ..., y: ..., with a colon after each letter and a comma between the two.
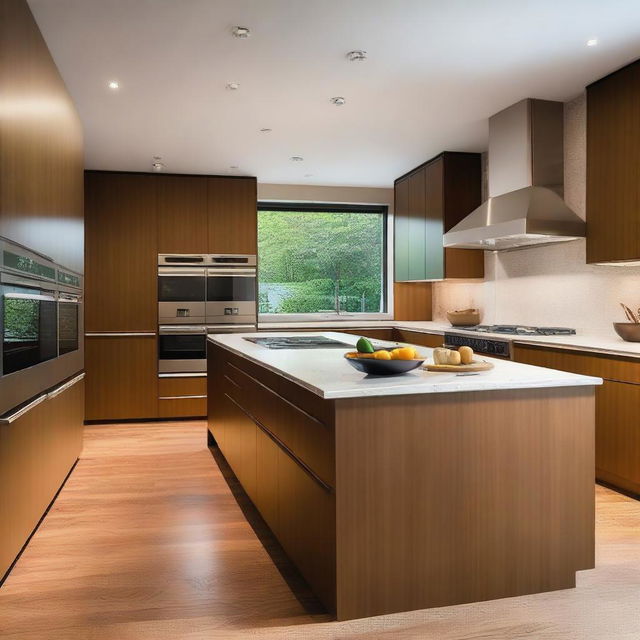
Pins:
x: 550, y: 285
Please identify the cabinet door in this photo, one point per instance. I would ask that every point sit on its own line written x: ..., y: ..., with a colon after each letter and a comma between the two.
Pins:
x: 121, y: 252
x: 306, y: 527
x: 266, y: 500
x: 618, y: 434
x: 613, y: 167
x: 122, y: 377
x: 37, y: 451
x: 416, y: 337
x: 232, y: 215
x: 401, y: 230
x: 416, y: 227
x: 240, y: 444
x: 434, y: 224
x: 182, y: 214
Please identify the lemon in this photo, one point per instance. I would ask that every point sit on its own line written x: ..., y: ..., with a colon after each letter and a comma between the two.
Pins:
x: 382, y: 355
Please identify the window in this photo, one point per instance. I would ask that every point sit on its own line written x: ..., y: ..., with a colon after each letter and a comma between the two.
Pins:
x: 325, y: 260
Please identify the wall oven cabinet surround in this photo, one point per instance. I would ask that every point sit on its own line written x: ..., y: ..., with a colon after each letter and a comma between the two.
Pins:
x: 613, y: 168
x: 40, y: 324
x: 430, y: 200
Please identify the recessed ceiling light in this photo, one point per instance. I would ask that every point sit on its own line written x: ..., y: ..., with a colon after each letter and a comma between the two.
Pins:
x: 233, y: 86
x: 297, y: 158
x: 308, y: 175
x: 241, y: 32
x: 114, y: 85
x: 357, y: 55
x: 592, y: 42
x: 157, y: 166
x: 233, y: 166
x: 338, y: 101
x: 266, y: 130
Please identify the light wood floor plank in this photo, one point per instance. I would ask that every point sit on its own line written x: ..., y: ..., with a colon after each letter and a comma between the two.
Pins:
x: 147, y: 542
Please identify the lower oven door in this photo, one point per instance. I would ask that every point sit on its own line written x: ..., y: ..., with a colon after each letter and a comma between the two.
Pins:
x: 182, y: 349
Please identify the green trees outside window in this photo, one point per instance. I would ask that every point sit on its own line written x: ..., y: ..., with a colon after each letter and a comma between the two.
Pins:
x: 321, y: 262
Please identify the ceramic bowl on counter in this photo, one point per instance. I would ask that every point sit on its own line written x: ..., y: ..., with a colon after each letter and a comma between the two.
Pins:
x: 374, y: 367
x: 464, y: 317
x: 628, y: 331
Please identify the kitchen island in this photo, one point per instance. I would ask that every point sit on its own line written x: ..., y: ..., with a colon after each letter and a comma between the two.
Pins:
x: 413, y: 491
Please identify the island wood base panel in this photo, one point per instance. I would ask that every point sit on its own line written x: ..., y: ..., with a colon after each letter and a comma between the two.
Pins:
x: 396, y: 503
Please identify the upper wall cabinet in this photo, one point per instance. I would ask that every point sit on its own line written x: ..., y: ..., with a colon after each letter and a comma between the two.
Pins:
x: 429, y: 201
x: 232, y: 215
x: 182, y: 214
x: 613, y: 167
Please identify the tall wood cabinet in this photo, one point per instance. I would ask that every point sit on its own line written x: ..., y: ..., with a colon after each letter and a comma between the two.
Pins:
x: 130, y: 219
x: 429, y: 201
x: 613, y: 167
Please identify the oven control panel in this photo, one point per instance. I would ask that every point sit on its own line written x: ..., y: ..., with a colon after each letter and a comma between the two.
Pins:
x: 486, y: 346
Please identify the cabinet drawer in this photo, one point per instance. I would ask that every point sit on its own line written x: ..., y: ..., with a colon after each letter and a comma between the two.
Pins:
x: 416, y: 337
x: 306, y: 437
x: 174, y: 387
x: 182, y: 407
x: 588, y: 364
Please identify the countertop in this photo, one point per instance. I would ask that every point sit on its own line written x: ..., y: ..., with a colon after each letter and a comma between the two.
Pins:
x: 327, y: 374
x: 605, y: 344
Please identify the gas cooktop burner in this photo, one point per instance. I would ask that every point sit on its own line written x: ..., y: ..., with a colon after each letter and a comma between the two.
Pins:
x: 519, y: 330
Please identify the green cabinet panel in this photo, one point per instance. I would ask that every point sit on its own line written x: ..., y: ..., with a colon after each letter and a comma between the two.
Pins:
x: 401, y: 225
x: 429, y: 201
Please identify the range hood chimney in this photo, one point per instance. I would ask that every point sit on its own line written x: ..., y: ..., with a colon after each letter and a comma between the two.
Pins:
x: 525, y: 205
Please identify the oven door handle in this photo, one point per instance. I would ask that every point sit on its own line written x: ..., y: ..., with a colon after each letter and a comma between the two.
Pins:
x: 181, y: 329
x: 225, y: 273
x: 31, y: 296
x: 181, y: 272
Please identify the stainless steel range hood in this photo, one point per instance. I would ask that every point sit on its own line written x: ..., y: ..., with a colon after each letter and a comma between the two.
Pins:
x: 525, y: 205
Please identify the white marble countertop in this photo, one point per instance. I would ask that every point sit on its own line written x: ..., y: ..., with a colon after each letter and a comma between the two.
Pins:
x: 326, y: 372
x: 606, y: 344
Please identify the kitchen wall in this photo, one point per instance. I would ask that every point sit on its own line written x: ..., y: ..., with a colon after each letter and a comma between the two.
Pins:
x: 550, y: 285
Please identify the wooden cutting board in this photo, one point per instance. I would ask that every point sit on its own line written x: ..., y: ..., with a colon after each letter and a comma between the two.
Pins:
x: 476, y: 365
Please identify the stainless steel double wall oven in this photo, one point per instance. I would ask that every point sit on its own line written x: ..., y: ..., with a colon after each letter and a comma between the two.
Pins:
x: 200, y: 294
x: 41, y: 324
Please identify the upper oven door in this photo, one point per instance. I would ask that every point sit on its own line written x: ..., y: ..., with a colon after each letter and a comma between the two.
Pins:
x: 231, y: 296
x: 181, y: 295
x: 29, y: 326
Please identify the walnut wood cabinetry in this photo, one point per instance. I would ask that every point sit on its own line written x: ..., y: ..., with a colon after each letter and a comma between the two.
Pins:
x: 232, y: 215
x: 182, y: 214
x: 131, y: 218
x: 37, y: 452
x: 617, y: 401
x: 429, y: 201
x: 122, y: 377
x: 387, y: 504
x: 121, y: 248
x: 613, y: 167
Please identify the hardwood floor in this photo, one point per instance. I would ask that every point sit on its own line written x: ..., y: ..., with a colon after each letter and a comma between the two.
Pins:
x: 147, y: 542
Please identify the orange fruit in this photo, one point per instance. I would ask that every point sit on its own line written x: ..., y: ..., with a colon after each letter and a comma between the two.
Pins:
x: 406, y: 353
x: 382, y: 355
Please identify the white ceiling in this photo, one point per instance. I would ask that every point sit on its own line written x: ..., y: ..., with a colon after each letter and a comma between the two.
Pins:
x: 436, y: 70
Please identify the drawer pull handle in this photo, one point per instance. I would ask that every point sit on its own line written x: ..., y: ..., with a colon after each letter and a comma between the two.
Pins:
x: 181, y: 397
x: 65, y: 386
x: 12, y: 417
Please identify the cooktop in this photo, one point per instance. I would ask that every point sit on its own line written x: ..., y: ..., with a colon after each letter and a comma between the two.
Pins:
x: 299, y: 342
x: 515, y: 329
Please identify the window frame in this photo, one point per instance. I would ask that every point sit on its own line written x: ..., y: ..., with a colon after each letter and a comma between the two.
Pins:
x: 387, y: 271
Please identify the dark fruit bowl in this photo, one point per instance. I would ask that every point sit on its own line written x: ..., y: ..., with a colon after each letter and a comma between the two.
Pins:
x: 375, y: 367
